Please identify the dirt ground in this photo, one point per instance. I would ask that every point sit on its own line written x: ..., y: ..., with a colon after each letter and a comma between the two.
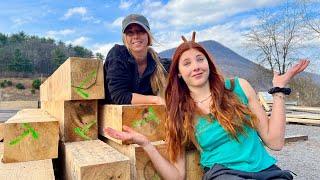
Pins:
x: 11, y: 93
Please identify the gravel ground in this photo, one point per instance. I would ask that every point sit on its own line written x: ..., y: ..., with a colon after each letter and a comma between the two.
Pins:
x: 302, y: 157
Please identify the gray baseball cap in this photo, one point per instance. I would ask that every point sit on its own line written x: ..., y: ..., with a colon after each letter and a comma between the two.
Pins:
x: 135, y: 19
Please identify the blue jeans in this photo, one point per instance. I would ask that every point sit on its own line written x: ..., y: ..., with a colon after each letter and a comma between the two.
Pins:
x: 219, y: 172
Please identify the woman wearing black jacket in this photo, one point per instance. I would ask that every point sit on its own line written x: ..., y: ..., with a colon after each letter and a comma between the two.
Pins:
x: 133, y: 72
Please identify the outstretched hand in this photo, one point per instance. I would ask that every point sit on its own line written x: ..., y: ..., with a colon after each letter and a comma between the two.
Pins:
x: 283, y: 80
x: 128, y: 136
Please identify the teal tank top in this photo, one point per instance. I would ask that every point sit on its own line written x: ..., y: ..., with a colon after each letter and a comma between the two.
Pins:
x: 217, y: 147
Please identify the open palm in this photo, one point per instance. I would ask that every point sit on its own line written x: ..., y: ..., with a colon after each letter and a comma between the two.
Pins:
x: 283, y: 80
x: 128, y: 136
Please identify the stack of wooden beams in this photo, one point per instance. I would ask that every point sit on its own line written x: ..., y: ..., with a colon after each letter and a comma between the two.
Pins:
x: 71, y: 95
x: 303, y: 115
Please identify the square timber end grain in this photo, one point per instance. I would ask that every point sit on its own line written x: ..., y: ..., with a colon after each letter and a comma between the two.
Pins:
x: 146, y: 119
x: 94, y: 160
x: 31, y: 134
x: 76, y: 79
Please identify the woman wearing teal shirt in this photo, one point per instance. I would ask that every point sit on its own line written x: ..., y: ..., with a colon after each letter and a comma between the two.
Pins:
x: 223, y: 118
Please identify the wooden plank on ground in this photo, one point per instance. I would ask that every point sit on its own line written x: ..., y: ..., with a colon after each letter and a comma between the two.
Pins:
x: 31, y: 170
x: 1, y: 131
x: 304, y: 109
x: 18, y: 105
x: 32, y: 134
x: 142, y: 167
x: 263, y: 102
x: 145, y: 119
x: 75, y: 79
x: 78, y: 119
x: 303, y: 121
x: 304, y: 116
x: 295, y: 138
x: 94, y: 160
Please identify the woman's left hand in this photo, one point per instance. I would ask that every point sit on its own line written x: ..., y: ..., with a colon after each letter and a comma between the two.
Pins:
x: 283, y: 80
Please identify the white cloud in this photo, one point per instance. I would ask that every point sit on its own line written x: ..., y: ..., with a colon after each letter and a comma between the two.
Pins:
x: 20, y: 21
x: 103, y: 48
x: 79, y: 41
x: 125, y: 4
x: 73, y: 11
x: 64, y: 32
x: 116, y: 24
x: 179, y: 14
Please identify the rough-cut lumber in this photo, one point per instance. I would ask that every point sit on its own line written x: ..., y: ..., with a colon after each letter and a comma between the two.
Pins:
x: 17, y: 105
x: 142, y: 167
x: 31, y: 170
x: 296, y: 138
x: 78, y: 119
x: 1, y: 131
x: 75, y: 79
x: 94, y: 160
x: 303, y: 121
x: 304, y: 116
x: 304, y: 109
x: 32, y: 134
x: 263, y: 102
x: 145, y: 119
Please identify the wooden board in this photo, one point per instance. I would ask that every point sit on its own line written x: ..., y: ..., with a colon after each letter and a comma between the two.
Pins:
x: 304, y: 116
x: 295, y: 138
x: 303, y: 121
x: 1, y: 131
x: 145, y: 119
x: 304, y: 109
x: 263, y: 102
x: 86, y: 160
x: 78, y: 119
x: 75, y: 79
x: 32, y: 134
x: 142, y: 167
x: 31, y: 170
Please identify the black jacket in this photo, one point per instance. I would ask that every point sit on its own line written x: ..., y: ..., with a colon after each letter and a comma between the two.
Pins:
x: 122, y: 76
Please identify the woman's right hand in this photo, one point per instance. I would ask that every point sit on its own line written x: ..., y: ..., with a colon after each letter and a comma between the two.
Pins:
x: 128, y: 136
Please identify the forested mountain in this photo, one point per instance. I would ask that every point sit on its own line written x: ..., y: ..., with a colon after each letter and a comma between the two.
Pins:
x: 22, y: 55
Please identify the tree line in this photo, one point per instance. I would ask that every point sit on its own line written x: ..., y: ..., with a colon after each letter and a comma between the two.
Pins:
x: 22, y: 55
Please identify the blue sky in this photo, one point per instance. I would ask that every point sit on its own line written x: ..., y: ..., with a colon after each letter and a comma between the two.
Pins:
x: 96, y: 24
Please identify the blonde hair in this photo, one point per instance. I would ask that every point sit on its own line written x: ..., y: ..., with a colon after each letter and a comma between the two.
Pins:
x: 158, y: 78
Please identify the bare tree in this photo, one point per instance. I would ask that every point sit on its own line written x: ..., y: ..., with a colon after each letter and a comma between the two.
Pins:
x: 277, y: 37
x: 311, y: 11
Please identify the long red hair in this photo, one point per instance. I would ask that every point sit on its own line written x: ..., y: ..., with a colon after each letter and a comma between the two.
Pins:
x: 181, y: 109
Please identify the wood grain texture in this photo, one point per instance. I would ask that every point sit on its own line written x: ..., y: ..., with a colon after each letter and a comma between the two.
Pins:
x: 32, y: 134
x: 76, y: 79
x: 142, y: 167
x: 94, y: 160
x: 31, y: 170
x: 78, y: 119
x: 146, y: 119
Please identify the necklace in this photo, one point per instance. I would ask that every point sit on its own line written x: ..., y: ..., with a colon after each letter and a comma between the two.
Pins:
x: 203, y: 100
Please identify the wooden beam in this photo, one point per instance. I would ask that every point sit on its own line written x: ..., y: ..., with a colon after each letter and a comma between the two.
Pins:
x: 75, y: 79
x: 296, y: 138
x: 145, y: 119
x: 303, y: 121
x: 263, y: 102
x: 91, y: 160
x: 304, y: 116
x: 32, y: 134
x: 78, y: 119
x: 31, y: 170
x: 304, y: 109
x: 142, y: 167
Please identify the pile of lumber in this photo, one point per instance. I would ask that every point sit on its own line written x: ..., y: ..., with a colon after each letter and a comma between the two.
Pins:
x: 67, y: 126
x: 303, y: 115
